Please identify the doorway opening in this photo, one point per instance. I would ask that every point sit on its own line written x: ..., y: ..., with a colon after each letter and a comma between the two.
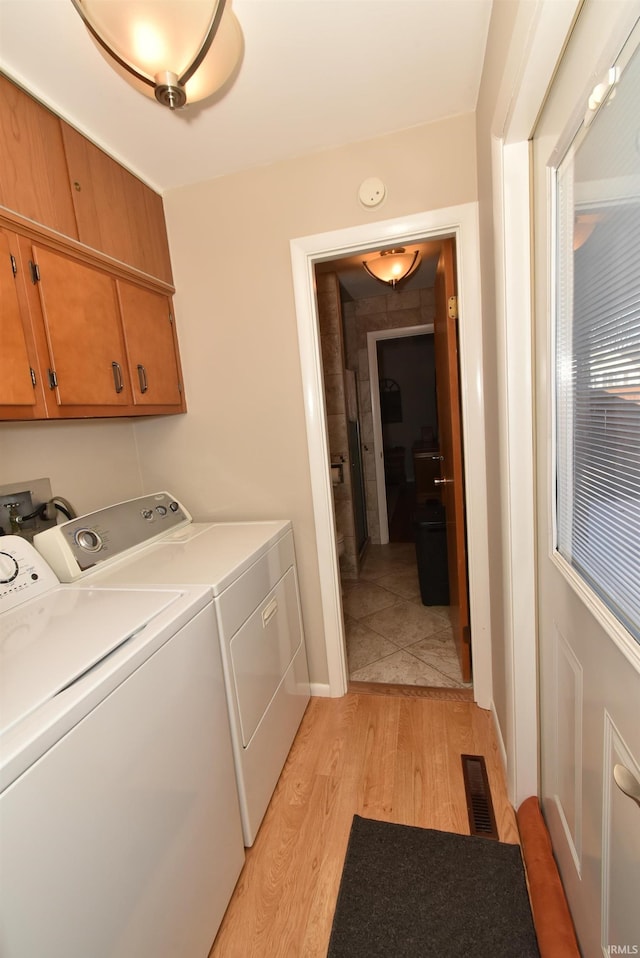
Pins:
x: 461, y: 223
x: 381, y: 405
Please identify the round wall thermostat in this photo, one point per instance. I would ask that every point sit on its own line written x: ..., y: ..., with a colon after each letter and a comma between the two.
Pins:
x: 372, y: 192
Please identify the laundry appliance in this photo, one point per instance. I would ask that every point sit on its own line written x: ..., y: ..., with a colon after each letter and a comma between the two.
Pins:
x: 251, y: 569
x: 120, y: 831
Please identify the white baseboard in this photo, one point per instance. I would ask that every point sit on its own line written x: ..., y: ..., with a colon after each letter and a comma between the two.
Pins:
x: 501, y: 745
x: 321, y: 690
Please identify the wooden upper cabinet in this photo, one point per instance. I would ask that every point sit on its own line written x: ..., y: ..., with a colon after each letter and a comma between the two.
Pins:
x: 33, y: 171
x: 151, y: 345
x: 82, y: 332
x: 116, y: 212
x: 20, y: 387
x: 87, y: 362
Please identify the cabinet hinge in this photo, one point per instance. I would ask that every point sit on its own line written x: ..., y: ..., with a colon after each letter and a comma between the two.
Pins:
x: 53, y: 379
x: 33, y: 376
x: 14, y: 265
x: 35, y: 272
x: 452, y: 306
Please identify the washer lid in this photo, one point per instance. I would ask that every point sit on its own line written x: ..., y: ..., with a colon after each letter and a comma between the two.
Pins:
x: 46, y: 644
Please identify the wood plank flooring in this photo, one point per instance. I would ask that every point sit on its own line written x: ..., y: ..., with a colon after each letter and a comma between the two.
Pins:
x: 394, y: 758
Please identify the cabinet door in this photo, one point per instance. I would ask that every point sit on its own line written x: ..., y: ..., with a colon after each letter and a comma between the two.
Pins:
x: 18, y: 392
x: 116, y: 212
x: 151, y: 345
x: 33, y: 171
x: 83, y: 332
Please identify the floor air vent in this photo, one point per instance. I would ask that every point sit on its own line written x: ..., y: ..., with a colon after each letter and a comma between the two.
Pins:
x: 482, y: 820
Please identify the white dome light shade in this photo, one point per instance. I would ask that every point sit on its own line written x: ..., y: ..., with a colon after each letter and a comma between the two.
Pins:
x: 392, y: 265
x: 177, y: 51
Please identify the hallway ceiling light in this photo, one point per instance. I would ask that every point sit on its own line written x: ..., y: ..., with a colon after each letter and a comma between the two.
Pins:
x: 173, y: 50
x: 392, y: 265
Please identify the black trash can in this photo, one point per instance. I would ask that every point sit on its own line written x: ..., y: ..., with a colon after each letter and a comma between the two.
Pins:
x: 431, y: 553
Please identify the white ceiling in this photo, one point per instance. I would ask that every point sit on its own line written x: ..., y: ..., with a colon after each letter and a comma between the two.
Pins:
x: 315, y: 74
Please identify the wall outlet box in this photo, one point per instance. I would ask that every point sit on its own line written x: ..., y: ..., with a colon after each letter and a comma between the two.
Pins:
x: 19, y: 499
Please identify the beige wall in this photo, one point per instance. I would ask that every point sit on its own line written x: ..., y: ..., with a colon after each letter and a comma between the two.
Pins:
x: 241, y: 451
x: 91, y: 463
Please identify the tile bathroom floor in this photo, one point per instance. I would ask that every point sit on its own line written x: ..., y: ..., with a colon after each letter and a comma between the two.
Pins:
x: 391, y: 636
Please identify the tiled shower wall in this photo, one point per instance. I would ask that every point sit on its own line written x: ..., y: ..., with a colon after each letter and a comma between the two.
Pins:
x: 333, y: 366
x: 393, y: 310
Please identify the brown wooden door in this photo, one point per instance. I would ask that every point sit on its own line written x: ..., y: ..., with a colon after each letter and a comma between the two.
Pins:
x: 84, y: 336
x: 116, y: 212
x: 33, y: 171
x: 452, y: 467
x: 16, y: 385
x: 151, y: 347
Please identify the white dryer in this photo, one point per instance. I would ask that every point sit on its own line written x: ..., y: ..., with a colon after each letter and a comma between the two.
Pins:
x: 251, y: 569
x: 120, y: 830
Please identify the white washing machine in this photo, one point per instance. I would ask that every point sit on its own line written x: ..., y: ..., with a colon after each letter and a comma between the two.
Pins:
x: 251, y: 569
x: 120, y: 832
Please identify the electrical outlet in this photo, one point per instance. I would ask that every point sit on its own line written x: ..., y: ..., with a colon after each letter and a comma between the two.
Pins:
x: 19, y: 499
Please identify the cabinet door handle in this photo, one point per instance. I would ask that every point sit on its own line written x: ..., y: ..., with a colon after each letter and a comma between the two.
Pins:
x: 117, y: 377
x: 142, y: 377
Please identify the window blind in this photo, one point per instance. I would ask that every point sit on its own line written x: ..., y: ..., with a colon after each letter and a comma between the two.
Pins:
x: 598, y: 352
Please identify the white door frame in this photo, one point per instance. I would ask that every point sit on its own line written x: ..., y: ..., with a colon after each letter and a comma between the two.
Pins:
x: 373, y: 338
x: 539, y: 35
x: 460, y: 222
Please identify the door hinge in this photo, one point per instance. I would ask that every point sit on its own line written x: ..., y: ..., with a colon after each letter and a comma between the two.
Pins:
x: 35, y: 272
x: 14, y: 265
x: 180, y: 388
x: 171, y: 317
x: 33, y: 376
x: 452, y: 307
x: 53, y: 379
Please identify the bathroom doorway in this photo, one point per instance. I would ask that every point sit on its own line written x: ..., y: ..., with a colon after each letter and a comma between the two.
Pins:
x: 392, y: 634
x: 459, y: 222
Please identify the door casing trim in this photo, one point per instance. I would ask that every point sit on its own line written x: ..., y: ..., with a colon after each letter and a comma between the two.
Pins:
x: 460, y: 222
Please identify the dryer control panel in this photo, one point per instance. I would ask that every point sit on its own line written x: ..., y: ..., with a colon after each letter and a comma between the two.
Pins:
x: 82, y: 544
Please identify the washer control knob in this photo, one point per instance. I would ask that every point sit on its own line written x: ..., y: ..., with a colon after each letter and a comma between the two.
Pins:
x: 8, y: 568
x: 88, y: 540
x: 147, y: 514
x: 174, y: 506
x: 161, y: 510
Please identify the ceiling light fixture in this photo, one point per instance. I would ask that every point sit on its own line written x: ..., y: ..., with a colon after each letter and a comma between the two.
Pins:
x: 177, y: 52
x: 392, y: 265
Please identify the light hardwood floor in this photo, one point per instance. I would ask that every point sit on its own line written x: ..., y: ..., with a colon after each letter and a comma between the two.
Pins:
x: 390, y: 757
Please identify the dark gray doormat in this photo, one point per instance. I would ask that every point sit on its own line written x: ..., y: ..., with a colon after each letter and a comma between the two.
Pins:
x: 412, y: 892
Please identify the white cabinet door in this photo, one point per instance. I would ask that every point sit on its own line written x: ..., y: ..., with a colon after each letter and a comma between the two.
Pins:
x: 589, y: 650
